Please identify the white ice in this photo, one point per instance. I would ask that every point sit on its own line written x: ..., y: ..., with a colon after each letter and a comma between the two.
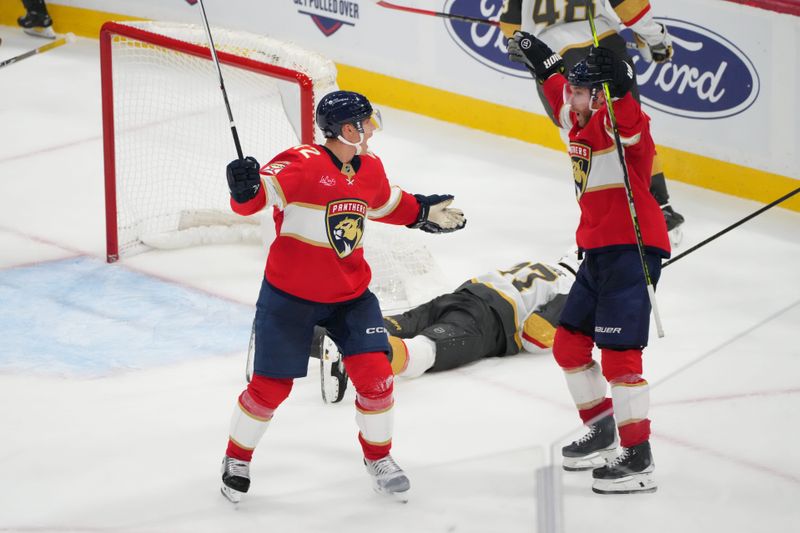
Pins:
x: 139, y: 450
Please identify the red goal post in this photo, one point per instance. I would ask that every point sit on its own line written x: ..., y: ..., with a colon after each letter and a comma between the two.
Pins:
x: 165, y: 133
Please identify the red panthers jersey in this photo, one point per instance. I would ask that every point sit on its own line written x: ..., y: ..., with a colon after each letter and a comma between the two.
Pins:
x: 319, y: 209
x: 599, y: 184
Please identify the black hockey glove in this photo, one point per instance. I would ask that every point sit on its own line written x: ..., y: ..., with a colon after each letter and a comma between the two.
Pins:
x: 244, y: 181
x: 434, y: 215
x: 605, y: 66
x: 525, y: 48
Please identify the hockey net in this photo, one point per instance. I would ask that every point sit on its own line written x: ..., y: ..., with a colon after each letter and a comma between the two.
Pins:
x: 167, y: 139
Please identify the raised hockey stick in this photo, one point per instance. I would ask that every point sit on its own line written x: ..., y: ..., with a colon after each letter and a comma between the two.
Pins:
x: 628, y: 190
x: 732, y: 226
x: 221, y: 80
x: 68, y: 38
x: 451, y: 16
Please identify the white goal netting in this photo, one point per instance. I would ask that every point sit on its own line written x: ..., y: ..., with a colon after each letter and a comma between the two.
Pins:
x: 168, y: 140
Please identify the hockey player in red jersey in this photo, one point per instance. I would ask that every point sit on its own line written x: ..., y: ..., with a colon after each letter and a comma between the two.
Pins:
x: 495, y: 314
x: 567, y: 31
x: 316, y: 275
x: 608, y: 305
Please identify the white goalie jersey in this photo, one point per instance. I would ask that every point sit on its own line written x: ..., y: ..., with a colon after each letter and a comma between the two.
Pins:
x: 536, y: 293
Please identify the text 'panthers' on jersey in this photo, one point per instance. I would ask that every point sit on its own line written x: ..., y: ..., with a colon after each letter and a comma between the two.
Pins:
x: 320, y: 205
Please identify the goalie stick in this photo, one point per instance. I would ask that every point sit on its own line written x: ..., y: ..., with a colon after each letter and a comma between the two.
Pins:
x: 451, y: 16
x: 628, y: 190
x: 68, y: 38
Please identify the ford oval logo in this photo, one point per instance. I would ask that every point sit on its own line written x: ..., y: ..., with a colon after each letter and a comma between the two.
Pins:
x: 486, y: 44
x: 708, y: 78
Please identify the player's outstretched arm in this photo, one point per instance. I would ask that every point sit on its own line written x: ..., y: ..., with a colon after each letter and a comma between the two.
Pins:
x: 435, y: 216
x: 541, y: 61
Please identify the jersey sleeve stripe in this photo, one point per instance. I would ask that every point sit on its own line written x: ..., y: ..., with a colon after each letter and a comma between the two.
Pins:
x: 391, y: 204
x: 274, y: 192
x: 539, y: 331
x: 630, y: 11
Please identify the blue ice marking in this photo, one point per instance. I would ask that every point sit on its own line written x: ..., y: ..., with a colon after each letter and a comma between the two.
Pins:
x: 82, y: 317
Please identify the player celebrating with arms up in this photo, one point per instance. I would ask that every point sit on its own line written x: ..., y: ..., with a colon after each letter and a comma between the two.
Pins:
x: 608, y: 304
x: 316, y: 275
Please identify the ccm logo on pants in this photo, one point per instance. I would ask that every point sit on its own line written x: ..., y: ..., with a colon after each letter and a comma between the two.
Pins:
x: 379, y: 329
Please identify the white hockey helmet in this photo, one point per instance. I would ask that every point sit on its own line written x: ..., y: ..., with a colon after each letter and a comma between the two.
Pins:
x: 570, y: 260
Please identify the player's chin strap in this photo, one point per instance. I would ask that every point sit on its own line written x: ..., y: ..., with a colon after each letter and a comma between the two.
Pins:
x: 354, y: 145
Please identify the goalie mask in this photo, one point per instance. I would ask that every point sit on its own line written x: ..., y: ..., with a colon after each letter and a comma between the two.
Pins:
x: 346, y: 107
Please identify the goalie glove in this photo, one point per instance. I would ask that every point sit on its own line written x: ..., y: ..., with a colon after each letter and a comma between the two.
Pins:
x: 541, y: 61
x: 434, y: 215
x: 655, y: 45
x: 244, y: 180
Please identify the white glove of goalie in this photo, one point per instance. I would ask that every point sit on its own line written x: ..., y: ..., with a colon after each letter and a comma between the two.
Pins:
x: 654, y: 43
x: 435, y: 216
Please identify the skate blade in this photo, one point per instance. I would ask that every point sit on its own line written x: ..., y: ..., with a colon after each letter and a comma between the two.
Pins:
x: 234, y: 496
x: 401, y: 497
x: 636, y: 483
x: 44, y: 33
x: 589, y: 462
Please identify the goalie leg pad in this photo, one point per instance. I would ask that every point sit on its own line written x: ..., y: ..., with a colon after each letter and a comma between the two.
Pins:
x: 253, y: 412
x: 373, y: 380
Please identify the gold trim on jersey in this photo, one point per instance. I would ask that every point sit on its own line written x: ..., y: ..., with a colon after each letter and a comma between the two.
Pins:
x: 395, y: 195
x: 277, y: 187
x: 309, y: 206
x: 399, y: 354
x: 628, y: 10
x: 626, y: 141
x: 313, y: 243
x: 604, y: 187
x: 540, y: 330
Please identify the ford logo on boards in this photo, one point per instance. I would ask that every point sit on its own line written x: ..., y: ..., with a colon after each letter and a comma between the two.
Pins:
x: 709, y: 77
x: 484, y: 43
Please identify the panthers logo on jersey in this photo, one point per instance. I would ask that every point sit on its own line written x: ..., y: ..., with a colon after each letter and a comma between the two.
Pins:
x: 581, y: 155
x: 345, y: 221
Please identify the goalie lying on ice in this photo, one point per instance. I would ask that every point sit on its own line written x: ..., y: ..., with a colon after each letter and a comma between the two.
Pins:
x: 496, y: 314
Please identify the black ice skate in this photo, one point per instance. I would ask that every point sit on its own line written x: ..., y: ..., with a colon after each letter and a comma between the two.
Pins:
x: 388, y: 478
x: 333, y: 376
x: 631, y: 472
x: 594, y: 449
x: 37, y: 24
x: 674, y: 222
x: 235, y: 478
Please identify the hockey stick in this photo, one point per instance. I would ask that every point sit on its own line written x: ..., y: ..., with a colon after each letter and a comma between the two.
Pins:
x: 221, y: 80
x: 251, y: 352
x: 451, y: 16
x: 68, y: 38
x: 732, y: 226
x: 628, y: 190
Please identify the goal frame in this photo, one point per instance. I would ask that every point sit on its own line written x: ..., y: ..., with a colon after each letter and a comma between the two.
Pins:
x: 107, y: 33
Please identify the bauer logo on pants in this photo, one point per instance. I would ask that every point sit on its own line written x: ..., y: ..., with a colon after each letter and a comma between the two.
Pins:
x: 345, y: 221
